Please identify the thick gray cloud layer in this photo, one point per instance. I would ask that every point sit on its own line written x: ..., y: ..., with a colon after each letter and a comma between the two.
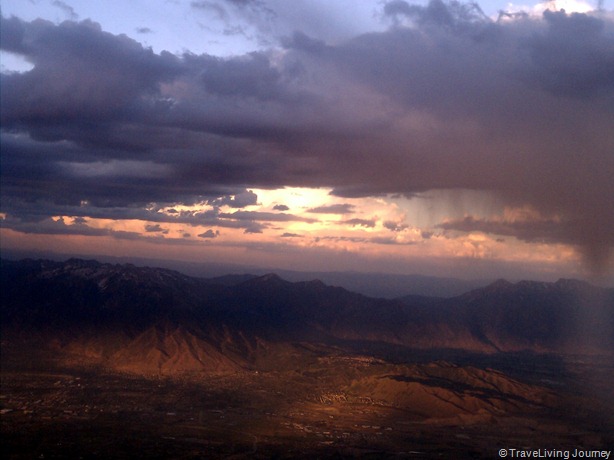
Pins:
x: 444, y: 99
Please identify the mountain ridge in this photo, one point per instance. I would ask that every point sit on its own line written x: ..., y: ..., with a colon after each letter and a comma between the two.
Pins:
x: 80, y: 301
x: 376, y: 284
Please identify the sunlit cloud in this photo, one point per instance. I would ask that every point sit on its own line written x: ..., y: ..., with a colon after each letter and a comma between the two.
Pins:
x: 569, y: 6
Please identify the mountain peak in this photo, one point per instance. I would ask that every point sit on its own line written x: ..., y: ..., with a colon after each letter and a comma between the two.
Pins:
x: 82, y: 263
x: 499, y: 284
x: 268, y: 279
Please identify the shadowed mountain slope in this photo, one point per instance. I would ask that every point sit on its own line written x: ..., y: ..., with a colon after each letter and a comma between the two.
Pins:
x: 568, y: 316
x: 158, y: 320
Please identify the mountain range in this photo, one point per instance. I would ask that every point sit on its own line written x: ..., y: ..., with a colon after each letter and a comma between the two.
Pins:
x: 386, y: 285
x: 157, y: 320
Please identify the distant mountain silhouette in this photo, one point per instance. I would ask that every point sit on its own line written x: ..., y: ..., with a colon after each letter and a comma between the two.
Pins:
x: 386, y: 285
x: 152, y: 320
x: 566, y: 316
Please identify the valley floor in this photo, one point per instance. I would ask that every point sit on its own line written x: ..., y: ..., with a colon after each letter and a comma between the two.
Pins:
x: 337, y: 407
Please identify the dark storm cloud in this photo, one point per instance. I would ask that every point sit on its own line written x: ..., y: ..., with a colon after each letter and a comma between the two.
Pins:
x: 210, y: 234
x: 545, y: 231
x: 50, y: 226
x: 333, y: 209
x: 291, y: 235
x: 240, y: 200
x: 81, y: 74
x: 541, y: 231
x: 572, y: 58
x: 155, y: 228
x: 265, y: 216
x: 254, y: 228
x: 250, y: 76
x: 445, y: 99
x: 281, y: 207
x: 369, y: 223
x: 395, y: 226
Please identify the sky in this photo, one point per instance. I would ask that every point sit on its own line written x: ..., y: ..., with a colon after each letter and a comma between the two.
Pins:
x: 439, y: 138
